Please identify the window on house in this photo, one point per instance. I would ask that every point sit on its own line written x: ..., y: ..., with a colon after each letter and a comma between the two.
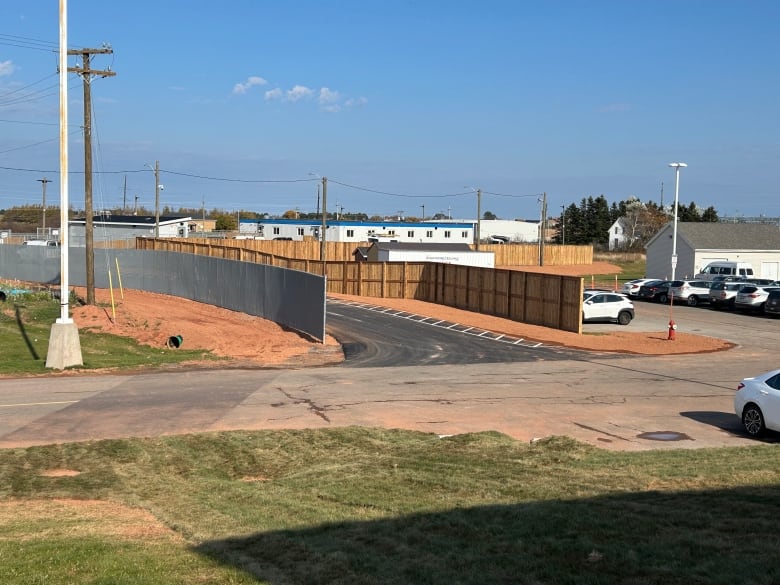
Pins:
x: 350, y: 233
x: 429, y: 234
x: 464, y: 235
x: 410, y: 234
x: 276, y: 231
x: 391, y: 232
x: 447, y: 233
x: 300, y: 231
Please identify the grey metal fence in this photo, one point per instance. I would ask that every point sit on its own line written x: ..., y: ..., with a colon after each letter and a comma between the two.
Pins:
x: 289, y: 297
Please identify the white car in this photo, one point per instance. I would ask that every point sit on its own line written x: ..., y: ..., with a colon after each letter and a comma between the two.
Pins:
x: 600, y: 305
x: 631, y: 288
x: 757, y: 403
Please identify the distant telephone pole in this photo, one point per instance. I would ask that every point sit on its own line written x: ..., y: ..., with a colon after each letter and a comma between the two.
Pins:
x: 43, y: 184
x: 86, y: 75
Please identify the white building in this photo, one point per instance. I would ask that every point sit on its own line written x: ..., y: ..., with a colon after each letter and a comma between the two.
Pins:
x: 107, y: 227
x: 428, y: 231
x: 618, y: 239
x: 360, y: 231
x: 699, y: 243
x: 502, y: 230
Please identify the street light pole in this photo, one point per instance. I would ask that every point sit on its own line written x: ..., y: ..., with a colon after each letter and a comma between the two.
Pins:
x: 563, y: 225
x: 676, y: 166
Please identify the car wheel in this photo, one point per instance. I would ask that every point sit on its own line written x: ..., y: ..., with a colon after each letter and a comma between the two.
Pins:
x: 693, y: 301
x: 753, y: 420
x: 663, y: 299
x: 624, y: 318
x: 731, y: 305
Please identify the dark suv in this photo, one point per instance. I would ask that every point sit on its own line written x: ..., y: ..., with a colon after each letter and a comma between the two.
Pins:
x: 772, y: 304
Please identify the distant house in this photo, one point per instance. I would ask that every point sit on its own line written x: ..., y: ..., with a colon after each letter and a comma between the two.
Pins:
x: 618, y: 238
x: 421, y: 252
x: 107, y: 227
x: 701, y: 243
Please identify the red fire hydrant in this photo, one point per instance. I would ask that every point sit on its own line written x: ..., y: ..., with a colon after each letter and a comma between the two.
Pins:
x: 672, y: 329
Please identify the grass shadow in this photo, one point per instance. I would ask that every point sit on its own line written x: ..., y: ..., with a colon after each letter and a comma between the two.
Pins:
x: 23, y: 331
x: 650, y: 538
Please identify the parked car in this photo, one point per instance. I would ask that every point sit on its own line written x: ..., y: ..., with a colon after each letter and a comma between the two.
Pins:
x: 752, y: 297
x: 691, y: 292
x: 606, y: 306
x: 757, y: 403
x: 723, y: 293
x: 631, y: 288
x: 657, y: 290
x: 772, y: 304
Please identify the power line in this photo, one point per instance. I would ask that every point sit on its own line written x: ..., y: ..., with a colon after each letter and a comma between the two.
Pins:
x: 406, y: 195
x: 180, y: 174
x: 27, y: 43
x: 18, y: 89
x: 37, y: 143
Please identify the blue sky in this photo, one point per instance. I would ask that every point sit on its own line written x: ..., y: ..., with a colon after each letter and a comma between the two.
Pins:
x: 414, y: 102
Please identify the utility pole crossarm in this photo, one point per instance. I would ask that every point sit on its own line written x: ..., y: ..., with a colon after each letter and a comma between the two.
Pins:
x: 85, y: 69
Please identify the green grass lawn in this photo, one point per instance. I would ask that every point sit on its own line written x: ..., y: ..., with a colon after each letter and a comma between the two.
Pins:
x: 358, y: 505
x: 25, y: 325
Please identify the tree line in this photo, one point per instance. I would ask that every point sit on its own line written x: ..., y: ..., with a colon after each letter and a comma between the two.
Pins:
x: 589, y: 222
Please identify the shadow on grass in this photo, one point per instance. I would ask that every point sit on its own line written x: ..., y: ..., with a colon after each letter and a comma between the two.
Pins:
x: 23, y: 331
x: 719, y: 536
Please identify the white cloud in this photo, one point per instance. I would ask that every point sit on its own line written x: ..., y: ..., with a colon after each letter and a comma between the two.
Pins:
x: 6, y: 68
x: 330, y: 100
x: 328, y: 96
x: 249, y: 83
x: 273, y: 94
x: 297, y: 93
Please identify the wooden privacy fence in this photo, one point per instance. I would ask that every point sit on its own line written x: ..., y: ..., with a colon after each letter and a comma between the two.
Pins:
x: 549, y: 300
x: 505, y: 254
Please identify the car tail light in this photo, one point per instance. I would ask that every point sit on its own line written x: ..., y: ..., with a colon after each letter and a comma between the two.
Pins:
x: 740, y: 386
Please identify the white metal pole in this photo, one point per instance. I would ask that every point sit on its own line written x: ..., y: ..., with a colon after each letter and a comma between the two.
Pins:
x: 676, y: 166
x: 63, y: 64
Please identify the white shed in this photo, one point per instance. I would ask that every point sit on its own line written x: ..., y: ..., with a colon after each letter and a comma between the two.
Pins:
x: 443, y: 253
x: 699, y: 243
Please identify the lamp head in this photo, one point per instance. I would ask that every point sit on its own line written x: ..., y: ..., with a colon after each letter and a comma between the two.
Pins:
x: 677, y: 165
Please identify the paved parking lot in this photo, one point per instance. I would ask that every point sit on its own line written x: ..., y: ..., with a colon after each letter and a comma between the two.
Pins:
x: 756, y: 330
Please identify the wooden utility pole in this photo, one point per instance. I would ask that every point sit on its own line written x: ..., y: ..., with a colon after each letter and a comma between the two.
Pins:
x: 324, y: 227
x: 542, y: 229
x: 86, y: 75
x: 479, y: 216
x: 43, y: 184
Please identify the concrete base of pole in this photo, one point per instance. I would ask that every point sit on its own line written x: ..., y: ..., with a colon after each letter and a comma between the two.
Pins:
x: 64, y: 346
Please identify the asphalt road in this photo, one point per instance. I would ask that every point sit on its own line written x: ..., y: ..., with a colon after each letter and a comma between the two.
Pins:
x: 455, y: 381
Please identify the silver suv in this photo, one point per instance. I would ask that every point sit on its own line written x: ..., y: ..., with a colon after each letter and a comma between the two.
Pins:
x: 723, y: 293
x: 692, y: 292
x: 752, y: 297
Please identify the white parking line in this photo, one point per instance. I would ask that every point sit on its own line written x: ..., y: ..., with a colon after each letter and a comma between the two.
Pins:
x: 20, y: 404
